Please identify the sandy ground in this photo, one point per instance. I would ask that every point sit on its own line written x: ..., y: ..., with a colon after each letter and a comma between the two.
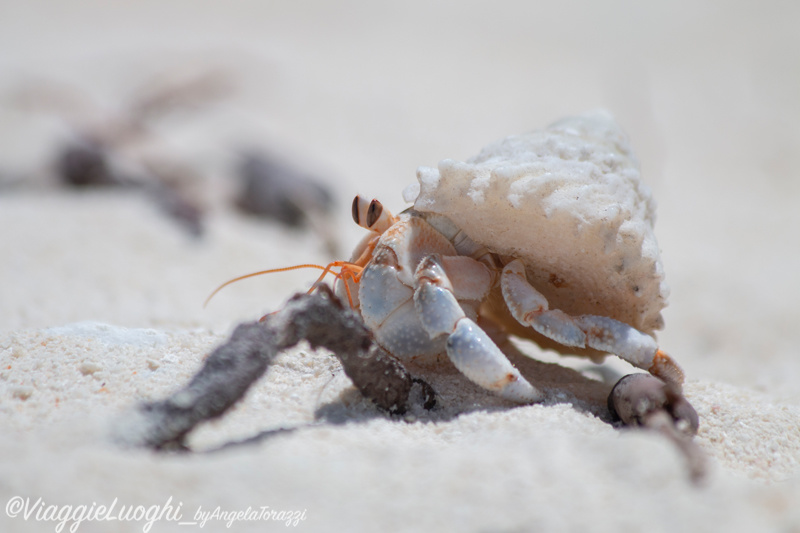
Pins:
x: 102, y: 295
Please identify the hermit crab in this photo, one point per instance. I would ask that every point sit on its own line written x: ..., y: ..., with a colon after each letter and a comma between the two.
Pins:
x: 547, y: 236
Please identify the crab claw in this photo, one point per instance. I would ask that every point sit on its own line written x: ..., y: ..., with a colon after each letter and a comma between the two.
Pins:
x: 637, y: 397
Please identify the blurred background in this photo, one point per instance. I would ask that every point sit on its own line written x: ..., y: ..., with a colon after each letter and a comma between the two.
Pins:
x: 355, y: 95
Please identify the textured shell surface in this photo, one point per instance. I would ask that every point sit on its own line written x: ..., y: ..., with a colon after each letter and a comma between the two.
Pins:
x: 569, y: 201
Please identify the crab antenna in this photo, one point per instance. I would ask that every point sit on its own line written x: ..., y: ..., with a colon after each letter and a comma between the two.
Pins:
x: 326, y: 269
x: 372, y: 215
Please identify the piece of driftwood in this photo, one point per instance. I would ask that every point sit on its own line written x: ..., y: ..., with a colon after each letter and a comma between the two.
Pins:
x: 230, y: 370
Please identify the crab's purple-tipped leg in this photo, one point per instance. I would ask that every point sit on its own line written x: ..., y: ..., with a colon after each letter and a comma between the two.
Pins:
x: 468, y: 346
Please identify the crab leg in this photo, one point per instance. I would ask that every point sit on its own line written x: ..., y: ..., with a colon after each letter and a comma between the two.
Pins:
x: 530, y: 308
x: 468, y: 346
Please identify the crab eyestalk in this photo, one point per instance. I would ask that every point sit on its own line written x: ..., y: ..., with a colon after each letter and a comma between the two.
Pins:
x: 372, y: 215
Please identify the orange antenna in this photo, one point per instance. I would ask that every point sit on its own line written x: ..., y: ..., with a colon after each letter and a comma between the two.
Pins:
x: 346, y: 271
x: 370, y: 215
x: 259, y: 273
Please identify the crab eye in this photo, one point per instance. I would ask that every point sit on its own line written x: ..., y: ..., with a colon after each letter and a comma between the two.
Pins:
x: 371, y: 215
x: 366, y: 214
x: 355, y: 209
x: 374, y: 212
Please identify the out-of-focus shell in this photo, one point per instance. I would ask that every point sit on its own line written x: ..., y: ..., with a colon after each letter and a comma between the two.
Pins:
x: 570, y: 202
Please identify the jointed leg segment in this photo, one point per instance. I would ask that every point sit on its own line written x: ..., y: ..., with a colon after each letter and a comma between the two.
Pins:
x: 530, y: 308
x: 468, y: 346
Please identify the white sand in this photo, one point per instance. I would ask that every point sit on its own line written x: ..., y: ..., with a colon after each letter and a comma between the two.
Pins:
x: 101, y: 295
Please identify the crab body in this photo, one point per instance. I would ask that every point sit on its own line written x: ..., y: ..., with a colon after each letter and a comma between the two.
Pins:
x: 549, y: 235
